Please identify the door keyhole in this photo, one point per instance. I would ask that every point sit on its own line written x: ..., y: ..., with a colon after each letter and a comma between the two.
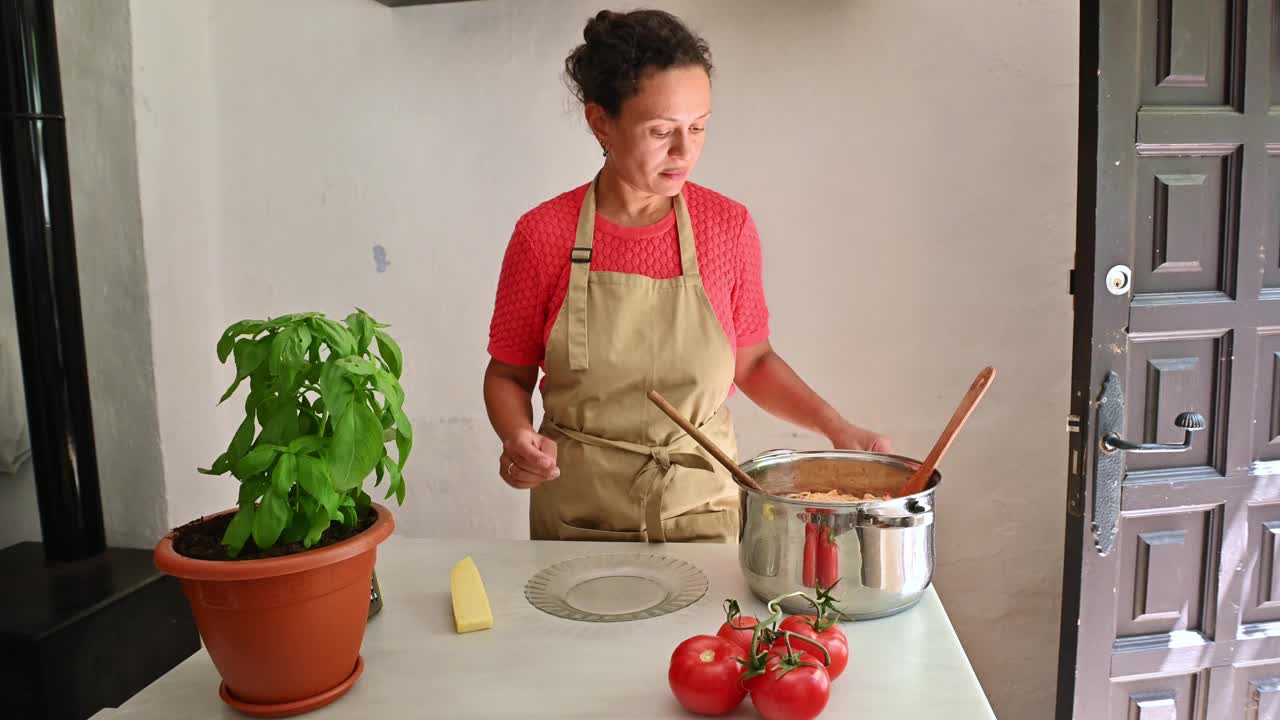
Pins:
x: 1119, y: 279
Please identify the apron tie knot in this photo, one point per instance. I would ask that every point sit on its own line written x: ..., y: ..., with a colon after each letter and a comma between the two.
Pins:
x: 662, y: 456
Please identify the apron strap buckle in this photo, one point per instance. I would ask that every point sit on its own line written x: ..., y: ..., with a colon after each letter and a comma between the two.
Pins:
x: 580, y: 255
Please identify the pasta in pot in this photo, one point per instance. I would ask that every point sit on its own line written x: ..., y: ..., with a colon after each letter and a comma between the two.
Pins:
x: 836, y: 496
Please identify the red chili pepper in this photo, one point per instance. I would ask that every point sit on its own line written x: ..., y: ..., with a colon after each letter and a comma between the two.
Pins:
x: 828, y: 560
x: 810, y: 554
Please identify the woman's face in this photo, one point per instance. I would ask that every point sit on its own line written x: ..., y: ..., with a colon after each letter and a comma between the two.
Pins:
x: 655, y: 140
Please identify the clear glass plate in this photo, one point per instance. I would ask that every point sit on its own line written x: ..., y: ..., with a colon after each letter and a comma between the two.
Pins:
x: 615, y: 588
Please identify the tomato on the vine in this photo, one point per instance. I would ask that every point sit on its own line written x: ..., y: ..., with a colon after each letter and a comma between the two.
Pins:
x: 737, y: 628
x: 705, y: 675
x: 793, y: 686
x: 831, y: 637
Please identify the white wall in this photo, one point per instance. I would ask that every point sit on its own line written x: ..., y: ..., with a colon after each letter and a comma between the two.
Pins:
x: 910, y: 165
x: 177, y: 179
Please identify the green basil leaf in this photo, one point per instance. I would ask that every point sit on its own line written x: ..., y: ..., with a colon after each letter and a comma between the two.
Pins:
x: 341, y: 344
x: 349, y: 516
x: 249, y: 355
x: 403, y: 446
x: 356, y: 447
x: 256, y: 461
x: 259, y: 391
x: 302, y: 343
x: 308, y: 424
x: 289, y: 351
x: 251, y: 490
x: 390, y: 352
x: 241, y: 441
x: 237, y: 532
x: 356, y: 365
x: 305, y: 445
x: 319, y: 519
x: 362, y: 329
x: 299, y: 524
x: 284, y: 475
x: 336, y: 389
x: 220, y: 465
x: 313, y: 476
x: 396, y: 486
x: 272, y: 517
x: 280, y: 420
x: 363, y: 501
x: 387, y: 384
x: 279, y: 342
x: 227, y: 342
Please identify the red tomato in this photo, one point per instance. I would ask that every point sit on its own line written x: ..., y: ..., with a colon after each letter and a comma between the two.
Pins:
x: 832, y: 638
x: 705, y: 675
x: 738, y: 631
x: 737, y: 628
x: 776, y: 653
x: 791, y: 693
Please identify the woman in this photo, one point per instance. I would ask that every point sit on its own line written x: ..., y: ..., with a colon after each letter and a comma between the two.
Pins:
x: 637, y: 280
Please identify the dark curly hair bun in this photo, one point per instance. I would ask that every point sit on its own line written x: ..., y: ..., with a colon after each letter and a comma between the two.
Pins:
x: 619, y: 49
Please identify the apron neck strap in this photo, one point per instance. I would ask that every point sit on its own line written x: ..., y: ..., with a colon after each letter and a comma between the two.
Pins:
x: 579, y: 272
x: 688, y: 250
x: 586, y: 222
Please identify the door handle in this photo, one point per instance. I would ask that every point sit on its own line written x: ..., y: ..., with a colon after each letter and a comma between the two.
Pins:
x: 1191, y: 422
x: 1109, y: 468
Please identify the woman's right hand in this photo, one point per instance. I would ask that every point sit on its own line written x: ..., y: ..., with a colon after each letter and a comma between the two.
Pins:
x: 528, y: 460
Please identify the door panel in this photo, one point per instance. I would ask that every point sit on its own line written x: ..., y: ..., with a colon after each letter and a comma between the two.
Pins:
x: 1267, y: 419
x: 1186, y: 222
x: 1163, y: 698
x: 1166, y: 575
x: 1186, y: 60
x: 1256, y: 691
x: 1275, y: 54
x: 1167, y: 377
x: 1180, y: 183
x: 1260, y: 596
x: 1271, y: 246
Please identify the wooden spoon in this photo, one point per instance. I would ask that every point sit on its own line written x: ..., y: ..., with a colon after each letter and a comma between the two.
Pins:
x: 738, y: 474
x: 979, y: 387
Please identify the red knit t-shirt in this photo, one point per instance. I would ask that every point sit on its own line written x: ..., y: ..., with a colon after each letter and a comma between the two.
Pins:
x: 535, y: 271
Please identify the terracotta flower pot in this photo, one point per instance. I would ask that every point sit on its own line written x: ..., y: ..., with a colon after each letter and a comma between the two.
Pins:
x: 284, y: 632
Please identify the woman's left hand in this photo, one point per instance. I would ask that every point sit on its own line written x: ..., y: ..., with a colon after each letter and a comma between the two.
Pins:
x: 853, y: 437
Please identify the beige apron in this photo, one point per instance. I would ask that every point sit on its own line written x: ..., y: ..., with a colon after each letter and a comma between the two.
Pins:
x: 627, y: 472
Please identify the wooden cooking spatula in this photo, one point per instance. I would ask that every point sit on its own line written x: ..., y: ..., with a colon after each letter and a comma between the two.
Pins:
x: 979, y: 387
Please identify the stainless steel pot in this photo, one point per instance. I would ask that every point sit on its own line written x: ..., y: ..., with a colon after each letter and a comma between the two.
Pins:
x: 880, y: 551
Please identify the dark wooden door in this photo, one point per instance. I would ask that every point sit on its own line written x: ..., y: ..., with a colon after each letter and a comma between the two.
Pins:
x: 1171, y: 593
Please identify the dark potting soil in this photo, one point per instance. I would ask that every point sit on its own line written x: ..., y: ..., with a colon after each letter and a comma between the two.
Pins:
x: 202, y: 539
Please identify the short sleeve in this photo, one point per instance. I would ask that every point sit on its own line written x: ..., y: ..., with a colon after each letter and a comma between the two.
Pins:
x: 750, y: 311
x: 520, y: 305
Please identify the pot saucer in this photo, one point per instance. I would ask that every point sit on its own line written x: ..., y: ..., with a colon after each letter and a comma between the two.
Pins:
x: 296, y: 707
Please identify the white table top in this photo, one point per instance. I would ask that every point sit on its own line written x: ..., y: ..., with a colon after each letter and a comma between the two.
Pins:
x: 535, y: 665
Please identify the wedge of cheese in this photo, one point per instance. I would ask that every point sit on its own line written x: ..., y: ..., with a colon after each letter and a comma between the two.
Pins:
x: 470, y: 602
